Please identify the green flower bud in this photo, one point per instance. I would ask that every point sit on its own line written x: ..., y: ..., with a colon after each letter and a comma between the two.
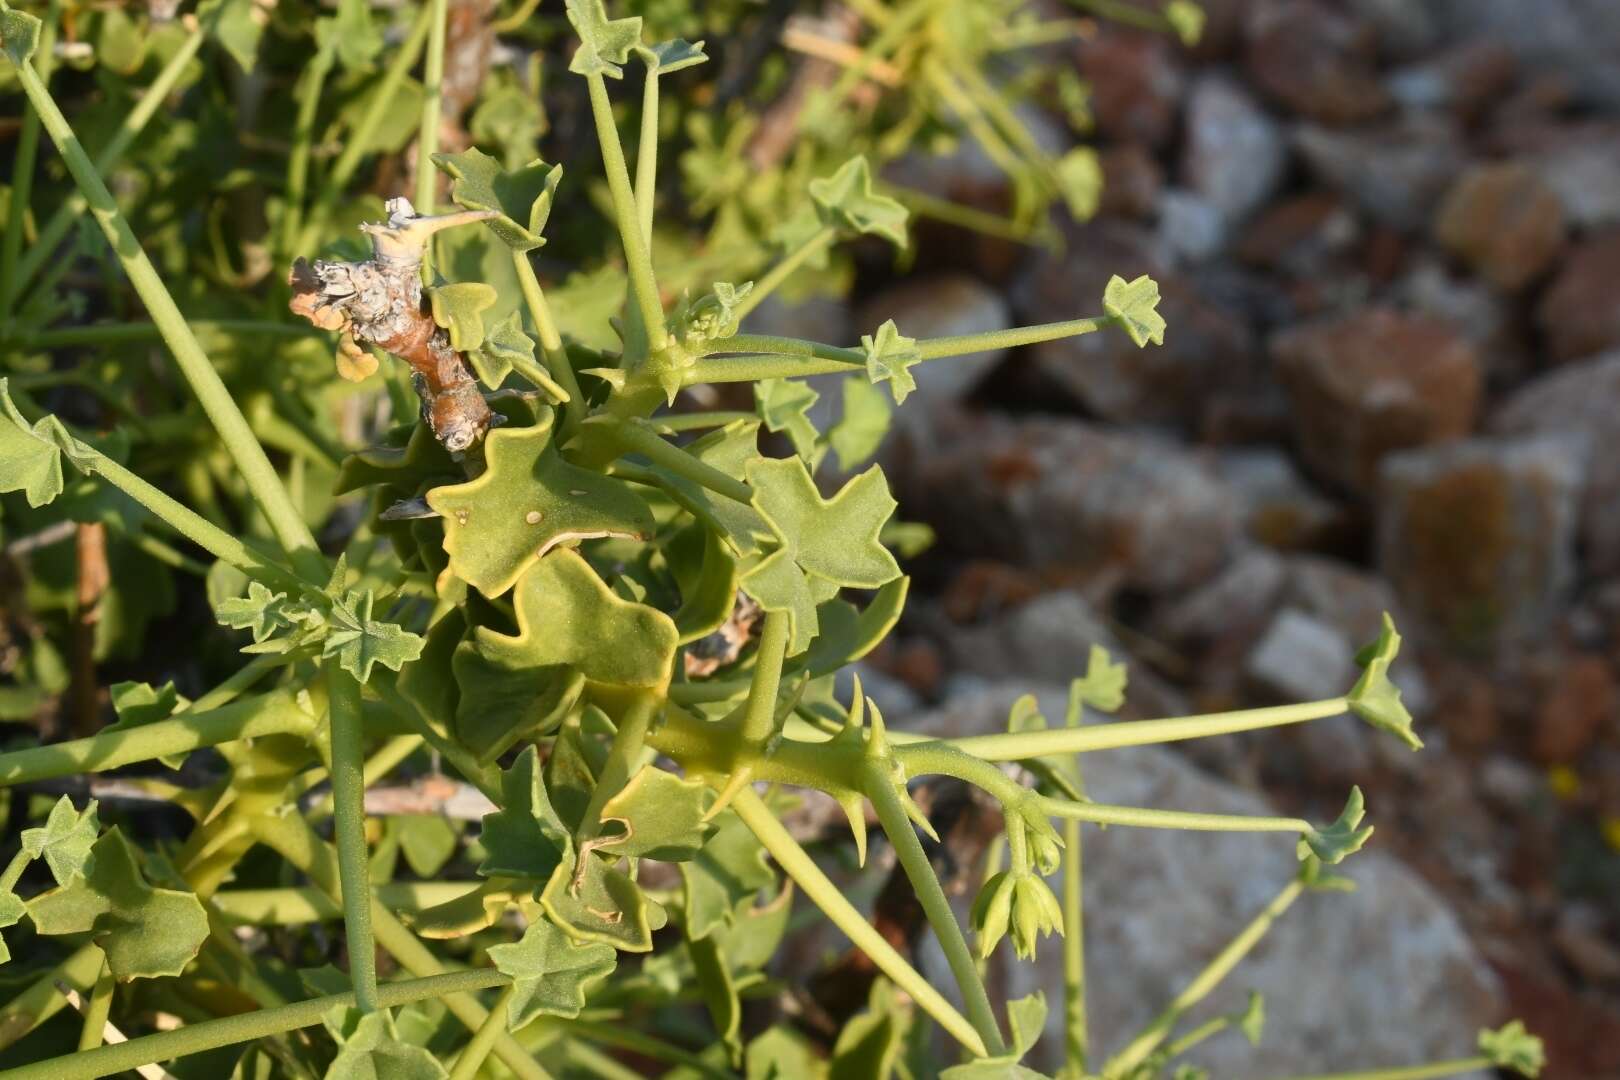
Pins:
x: 1035, y: 913
x: 991, y: 910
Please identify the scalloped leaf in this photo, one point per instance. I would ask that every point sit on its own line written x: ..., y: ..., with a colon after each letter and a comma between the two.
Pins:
x: 604, y: 44
x: 29, y: 459
x: 459, y: 308
x: 784, y: 405
x: 521, y: 198
x: 1512, y: 1047
x: 12, y: 909
x: 503, y: 697
x: 566, y: 615
x: 19, y: 34
x: 729, y: 870
x: 147, y: 933
x: 1375, y: 698
x: 525, y: 838
x: 359, y: 641
x: 1103, y: 686
x: 527, y: 502
x: 1135, y: 306
x: 262, y: 612
x: 65, y: 840
x: 890, y: 356
x: 138, y: 703
x: 661, y: 814
x: 550, y: 972
x: 824, y: 543
x: 593, y: 901
x: 846, y: 200
x: 1345, y: 836
x: 373, y: 1050
x: 506, y: 343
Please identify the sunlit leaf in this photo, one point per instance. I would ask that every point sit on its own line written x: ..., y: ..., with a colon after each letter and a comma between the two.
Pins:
x: 604, y: 44
x: 863, y: 425
x: 521, y: 197
x: 1512, y: 1047
x: 730, y: 869
x: 65, y: 840
x: 889, y: 357
x: 19, y: 34
x: 1135, y: 306
x: 29, y: 460
x: 550, y: 972
x: 784, y: 405
x: 373, y: 1050
x: 359, y: 641
x: 459, y: 308
x: 594, y: 901
x: 1375, y: 698
x: 661, y: 815
x: 846, y: 199
x: 140, y: 703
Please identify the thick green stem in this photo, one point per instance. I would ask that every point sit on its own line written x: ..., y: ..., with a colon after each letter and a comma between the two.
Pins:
x: 479, y: 1046
x: 1016, y: 746
x: 111, y: 155
x: 759, y: 718
x: 623, y: 758
x: 93, y: 1029
x: 427, y: 137
x: 647, y: 157
x: 551, y: 345
x: 798, y: 865
x: 635, y: 436
x: 273, y: 714
x: 244, y: 1027
x: 1139, y: 1048
x: 1432, y: 1071
x: 348, y: 802
x: 643, y: 285
x: 23, y: 161
x: 813, y: 245
x: 285, y: 519
x: 936, y: 906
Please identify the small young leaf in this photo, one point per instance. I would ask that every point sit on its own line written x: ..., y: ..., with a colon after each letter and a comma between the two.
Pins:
x: 459, y: 308
x: 1512, y: 1047
x: 845, y: 199
x: 1135, y: 305
x: 521, y: 197
x: 890, y: 356
x: 781, y: 1053
x: 12, y: 909
x: 359, y: 641
x: 65, y: 840
x: 525, y: 838
x: 1080, y: 180
x: 1344, y: 837
x: 504, y: 344
x: 604, y: 44
x: 671, y: 56
x: 1103, y: 687
x: 1252, y: 1020
x: 139, y: 703
x: 1025, y: 1019
x: 373, y: 1050
x: 527, y: 501
x: 550, y: 972
x: 261, y: 611
x: 428, y: 842
x: 1375, y: 698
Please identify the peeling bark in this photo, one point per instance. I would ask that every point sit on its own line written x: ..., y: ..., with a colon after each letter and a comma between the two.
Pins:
x: 379, y: 302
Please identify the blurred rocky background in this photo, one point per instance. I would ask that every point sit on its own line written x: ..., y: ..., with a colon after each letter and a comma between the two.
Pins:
x: 1388, y: 237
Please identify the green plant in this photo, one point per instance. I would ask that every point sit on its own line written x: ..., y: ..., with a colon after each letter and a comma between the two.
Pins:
x: 551, y: 564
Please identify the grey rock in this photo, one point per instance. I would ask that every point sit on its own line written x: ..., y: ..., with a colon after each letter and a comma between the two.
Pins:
x: 1584, y: 172
x: 1395, y: 173
x: 1478, y: 537
x: 1237, y: 603
x: 1577, y: 38
x: 1233, y: 154
x: 1384, y: 976
x: 1579, y: 400
x: 1190, y: 226
x: 1281, y: 508
x: 1301, y: 658
x: 1478, y: 311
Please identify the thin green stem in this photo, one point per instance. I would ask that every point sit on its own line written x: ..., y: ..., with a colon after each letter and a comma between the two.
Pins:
x: 551, y: 344
x: 1432, y: 1071
x: 623, y: 758
x: 637, y: 437
x: 295, y: 906
x: 349, y: 809
x: 273, y: 714
x: 1149, y: 818
x: 1207, y: 1030
x: 310, y: 85
x: 936, y: 906
x: 359, y: 139
x: 285, y: 519
x: 93, y: 1030
x: 427, y: 137
x: 1015, y: 746
x: 798, y: 865
x: 674, y: 423
x: 110, y: 156
x: 244, y: 1027
x: 1139, y: 1048
x: 244, y: 677
x: 955, y: 213
x: 24, y: 158
x: 759, y: 717
x: 647, y: 157
x: 643, y: 285
x: 1076, y: 1030
x: 813, y: 245
x: 479, y: 1046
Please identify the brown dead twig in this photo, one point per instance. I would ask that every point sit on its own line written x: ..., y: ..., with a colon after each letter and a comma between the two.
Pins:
x: 378, y: 301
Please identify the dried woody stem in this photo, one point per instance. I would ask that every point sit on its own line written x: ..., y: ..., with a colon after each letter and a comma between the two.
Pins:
x: 379, y: 302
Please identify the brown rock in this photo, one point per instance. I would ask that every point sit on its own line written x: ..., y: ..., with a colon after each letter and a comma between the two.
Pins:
x: 1574, y: 709
x: 1482, y: 313
x: 1300, y: 235
x: 1395, y: 173
x: 1168, y: 384
x: 1463, y: 78
x: 1372, y: 382
x: 1478, y: 537
x: 1315, y: 60
x: 1135, y: 86
x: 1062, y: 494
x: 1579, y: 401
x: 1280, y: 507
x: 1580, y: 312
x: 1504, y: 222
x: 1132, y: 181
